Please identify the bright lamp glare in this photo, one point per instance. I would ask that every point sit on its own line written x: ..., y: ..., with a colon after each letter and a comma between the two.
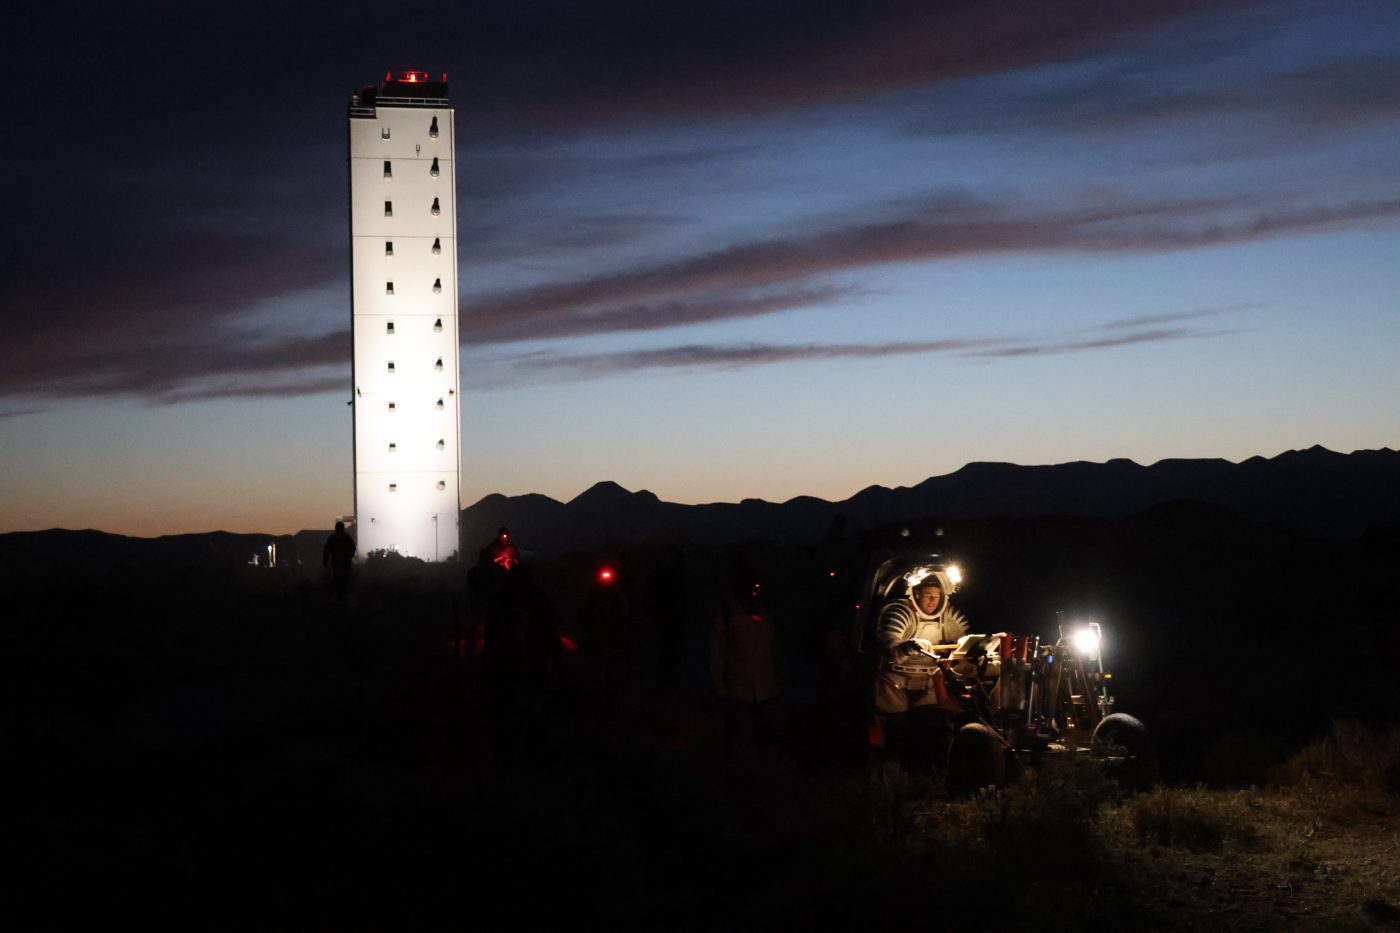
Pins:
x: 1086, y: 642
x: 954, y: 573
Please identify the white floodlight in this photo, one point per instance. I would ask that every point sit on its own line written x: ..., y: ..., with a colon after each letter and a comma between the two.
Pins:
x: 1086, y: 641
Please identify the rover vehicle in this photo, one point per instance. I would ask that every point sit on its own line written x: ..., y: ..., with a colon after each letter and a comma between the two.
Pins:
x: 1022, y: 696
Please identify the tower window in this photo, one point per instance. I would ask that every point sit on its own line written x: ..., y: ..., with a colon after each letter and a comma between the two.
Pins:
x: 442, y: 444
x: 438, y: 364
x: 441, y: 485
x: 391, y: 366
x: 393, y: 487
x: 388, y: 169
x: 393, y: 407
x: 388, y: 247
x: 437, y: 326
x: 384, y: 132
x: 432, y: 130
x: 389, y: 328
x: 388, y: 288
x: 439, y: 405
x: 393, y: 447
x: 437, y: 286
x: 433, y: 169
x: 437, y: 245
x: 388, y: 208
x: 436, y: 208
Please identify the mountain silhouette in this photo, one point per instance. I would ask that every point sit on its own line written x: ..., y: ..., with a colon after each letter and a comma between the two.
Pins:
x: 1315, y: 491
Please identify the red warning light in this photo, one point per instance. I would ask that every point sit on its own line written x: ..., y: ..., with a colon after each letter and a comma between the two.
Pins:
x: 605, y: 575
x: 831, y: 573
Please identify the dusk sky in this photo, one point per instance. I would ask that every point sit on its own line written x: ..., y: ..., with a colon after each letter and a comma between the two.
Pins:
x: 713, y: 250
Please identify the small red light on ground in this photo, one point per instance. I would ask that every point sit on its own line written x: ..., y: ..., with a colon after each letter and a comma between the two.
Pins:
x: 605, y: 575
x: 831, y: 573
x: 568, y: 643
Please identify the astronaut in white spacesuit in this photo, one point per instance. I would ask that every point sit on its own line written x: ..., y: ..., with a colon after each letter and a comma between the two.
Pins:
x: 910, y: 688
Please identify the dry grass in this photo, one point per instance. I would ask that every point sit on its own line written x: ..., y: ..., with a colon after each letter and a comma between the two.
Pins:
x: 1350, y: 759
x: 1198, y: 820
x: 1318, y: 849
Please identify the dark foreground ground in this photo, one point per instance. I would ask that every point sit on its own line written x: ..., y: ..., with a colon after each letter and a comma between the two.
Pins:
x: 234, y: 748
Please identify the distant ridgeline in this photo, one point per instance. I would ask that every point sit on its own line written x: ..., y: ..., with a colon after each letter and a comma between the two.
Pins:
x: 1315, y: 491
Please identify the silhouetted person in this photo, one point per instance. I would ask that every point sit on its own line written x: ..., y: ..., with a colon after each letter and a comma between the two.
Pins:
x: 745, y: 667
x: 666, y: 604
x: 522, y: 658
x: 606, y: 634
x: 338, y: 554
x: 485, y: 579
x: 842, y: 700
x: 500, y: 550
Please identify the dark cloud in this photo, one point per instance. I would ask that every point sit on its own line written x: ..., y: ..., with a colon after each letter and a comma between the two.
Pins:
x: 644, y: 316
x: 177, y: 164
x: 1112, y: 335
x: 306, y: 385
x: 551, y: 235
x: 939, y: 228
x: 177, y: 370
x: 1151, y: 320
x: 1058, y: 347
x: 544, y: 64
x: 1269, y: 106
x: 742, y: 281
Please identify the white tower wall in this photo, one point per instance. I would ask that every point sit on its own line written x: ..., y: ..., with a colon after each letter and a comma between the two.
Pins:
x: 404, y: 315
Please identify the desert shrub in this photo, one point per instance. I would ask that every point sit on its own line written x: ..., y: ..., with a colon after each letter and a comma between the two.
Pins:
x: 1046, y: 824
x: 1350, y: 756
x: 1194, y: 819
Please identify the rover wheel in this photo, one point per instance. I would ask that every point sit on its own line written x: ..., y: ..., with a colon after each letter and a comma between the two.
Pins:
x: 977, y: 759
x: 1121, y: 734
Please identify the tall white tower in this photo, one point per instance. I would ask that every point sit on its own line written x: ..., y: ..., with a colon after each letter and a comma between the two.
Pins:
x: 403, y: 280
